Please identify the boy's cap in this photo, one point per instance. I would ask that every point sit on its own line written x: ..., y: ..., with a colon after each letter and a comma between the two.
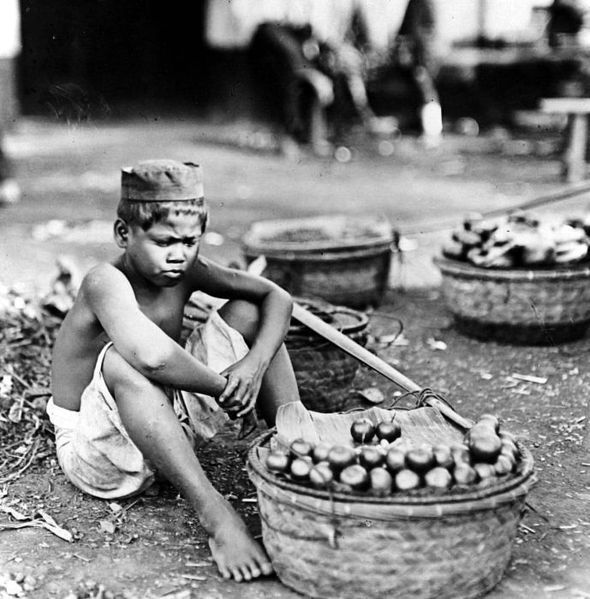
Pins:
x: 161, y: 181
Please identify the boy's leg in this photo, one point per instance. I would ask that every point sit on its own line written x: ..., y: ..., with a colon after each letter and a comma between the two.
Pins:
x: 149, y: 418
x: 279, y: 386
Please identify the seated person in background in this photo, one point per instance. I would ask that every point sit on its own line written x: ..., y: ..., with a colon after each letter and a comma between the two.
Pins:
x: 128, y: 401
x: 566, y: 19
x: 10, y: 45
x: 313, y: 77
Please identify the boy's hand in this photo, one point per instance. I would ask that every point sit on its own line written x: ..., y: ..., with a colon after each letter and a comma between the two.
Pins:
x: 243, y: 385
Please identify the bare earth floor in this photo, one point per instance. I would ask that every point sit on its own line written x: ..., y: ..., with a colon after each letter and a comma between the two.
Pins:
x: 154, y: 547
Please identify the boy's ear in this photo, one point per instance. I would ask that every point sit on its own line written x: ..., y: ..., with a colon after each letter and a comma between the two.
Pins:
x: 121, y: 232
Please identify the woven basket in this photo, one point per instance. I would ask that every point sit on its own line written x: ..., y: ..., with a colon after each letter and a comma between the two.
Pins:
x: 543, y: 306
x: 345, y: 547
x: 340, y: 259
x: 324, y: 372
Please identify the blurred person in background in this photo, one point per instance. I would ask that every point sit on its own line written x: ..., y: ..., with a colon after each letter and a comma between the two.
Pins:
x: 312, y: 60
x: 566, y: 19
x: 10, y: 45
x: 415, y: 50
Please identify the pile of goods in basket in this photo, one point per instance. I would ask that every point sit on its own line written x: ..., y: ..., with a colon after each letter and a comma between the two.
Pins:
x: 520, y: 240
x: 376, y: 463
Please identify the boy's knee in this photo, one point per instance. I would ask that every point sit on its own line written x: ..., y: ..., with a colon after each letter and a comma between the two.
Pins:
x: 243, y: 316
x: 118, y: 373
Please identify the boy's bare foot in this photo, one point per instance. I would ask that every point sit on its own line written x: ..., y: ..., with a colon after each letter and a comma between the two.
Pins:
x: 236, y: 553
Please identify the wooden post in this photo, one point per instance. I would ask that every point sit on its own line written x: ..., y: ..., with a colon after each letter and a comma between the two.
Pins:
x: 318, y: 130
x: 574, y: 158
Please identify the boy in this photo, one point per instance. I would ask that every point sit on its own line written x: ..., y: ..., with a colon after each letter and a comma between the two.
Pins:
x: 122, y: 384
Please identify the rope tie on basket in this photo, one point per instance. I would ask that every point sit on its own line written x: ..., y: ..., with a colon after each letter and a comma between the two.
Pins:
x: 301, y: 343
x: 379, y: 339
x: 333, y: 536
x: 421, y: 397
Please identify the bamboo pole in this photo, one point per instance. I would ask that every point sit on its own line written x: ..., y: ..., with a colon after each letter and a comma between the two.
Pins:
x: 374, y: 362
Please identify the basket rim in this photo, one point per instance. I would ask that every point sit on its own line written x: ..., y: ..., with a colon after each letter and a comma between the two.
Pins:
x: 300, y: 331
x: 506, y: 489
x: 321, y: 255
x: 460, y: 269
x: 253, y: 241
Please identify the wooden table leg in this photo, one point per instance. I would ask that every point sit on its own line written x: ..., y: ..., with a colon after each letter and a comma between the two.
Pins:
x: 318, y: 128
x: 574, y: 158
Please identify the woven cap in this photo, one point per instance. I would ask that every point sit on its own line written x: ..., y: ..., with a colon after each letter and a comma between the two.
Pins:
x: 161, y: 181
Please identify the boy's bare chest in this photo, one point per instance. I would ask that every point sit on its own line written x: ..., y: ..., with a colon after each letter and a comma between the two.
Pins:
x: 165, y: 311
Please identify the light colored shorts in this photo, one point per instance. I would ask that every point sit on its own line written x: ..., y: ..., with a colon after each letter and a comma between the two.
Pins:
x: 93, y: 448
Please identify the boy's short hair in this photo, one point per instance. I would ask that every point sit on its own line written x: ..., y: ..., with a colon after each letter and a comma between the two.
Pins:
x: 153, y: 189
x: 145, y: 214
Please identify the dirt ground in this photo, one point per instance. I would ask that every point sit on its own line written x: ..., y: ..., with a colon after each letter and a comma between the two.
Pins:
x: 153, y: 547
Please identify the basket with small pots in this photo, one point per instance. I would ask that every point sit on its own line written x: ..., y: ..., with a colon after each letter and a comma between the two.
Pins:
x: 519, y: 279
x: 389, y: 503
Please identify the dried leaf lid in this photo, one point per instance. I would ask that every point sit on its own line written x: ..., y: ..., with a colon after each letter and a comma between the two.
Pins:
x: 162, y: 181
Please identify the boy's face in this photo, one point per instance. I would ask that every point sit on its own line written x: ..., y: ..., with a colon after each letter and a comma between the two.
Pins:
x: 164, y: 252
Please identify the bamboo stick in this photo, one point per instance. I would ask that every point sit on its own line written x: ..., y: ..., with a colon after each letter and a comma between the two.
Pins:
x: 374, y: 362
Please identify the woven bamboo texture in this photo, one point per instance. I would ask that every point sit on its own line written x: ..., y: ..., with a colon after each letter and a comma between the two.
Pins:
x: 324, y: 373
x: 344, y: 268
x: 340, y: 546
x: 525, y: 306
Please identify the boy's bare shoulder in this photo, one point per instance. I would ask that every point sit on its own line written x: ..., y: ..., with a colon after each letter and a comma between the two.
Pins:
x: 104, y: 278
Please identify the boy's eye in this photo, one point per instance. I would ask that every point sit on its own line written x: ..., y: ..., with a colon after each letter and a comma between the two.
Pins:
x: 190, y: 242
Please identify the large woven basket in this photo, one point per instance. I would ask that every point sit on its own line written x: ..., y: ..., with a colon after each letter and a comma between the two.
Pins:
x: 541, y: 306
x: 334, y: 545
x: 324, y: 372
x: 340, y: 259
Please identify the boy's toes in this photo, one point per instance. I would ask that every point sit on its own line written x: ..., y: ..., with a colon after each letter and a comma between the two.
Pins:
x: 236, y: 575
x: 246, y: 573
x: 255, y: 572
x: 266, y: 568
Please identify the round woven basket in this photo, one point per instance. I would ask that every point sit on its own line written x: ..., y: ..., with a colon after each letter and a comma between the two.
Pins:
x: 324, y: 372
x: 340, y: 259
x: 541, y: 306
x: 346, y: 546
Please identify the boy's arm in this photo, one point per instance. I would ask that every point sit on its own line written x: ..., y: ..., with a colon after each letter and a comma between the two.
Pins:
x: 275, y: 303
x: 140, y: 341
x: 275, y: 308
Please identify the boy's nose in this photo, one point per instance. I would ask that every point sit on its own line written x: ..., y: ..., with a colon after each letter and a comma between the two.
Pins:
x: 176, y: 254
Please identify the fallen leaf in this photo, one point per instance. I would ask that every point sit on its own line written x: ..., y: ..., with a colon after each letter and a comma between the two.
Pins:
x: 372, y: 394
x: 5, y: 385
x: 183, y: 594
x: 14, y: 513
x: 115, y: 507
x: 107, y: 526
x: 15, y: 414
x: 436, y: 344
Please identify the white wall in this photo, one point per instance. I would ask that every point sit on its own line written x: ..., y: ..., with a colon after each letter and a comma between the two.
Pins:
x: 230, y: 23
x: 466, y: 19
